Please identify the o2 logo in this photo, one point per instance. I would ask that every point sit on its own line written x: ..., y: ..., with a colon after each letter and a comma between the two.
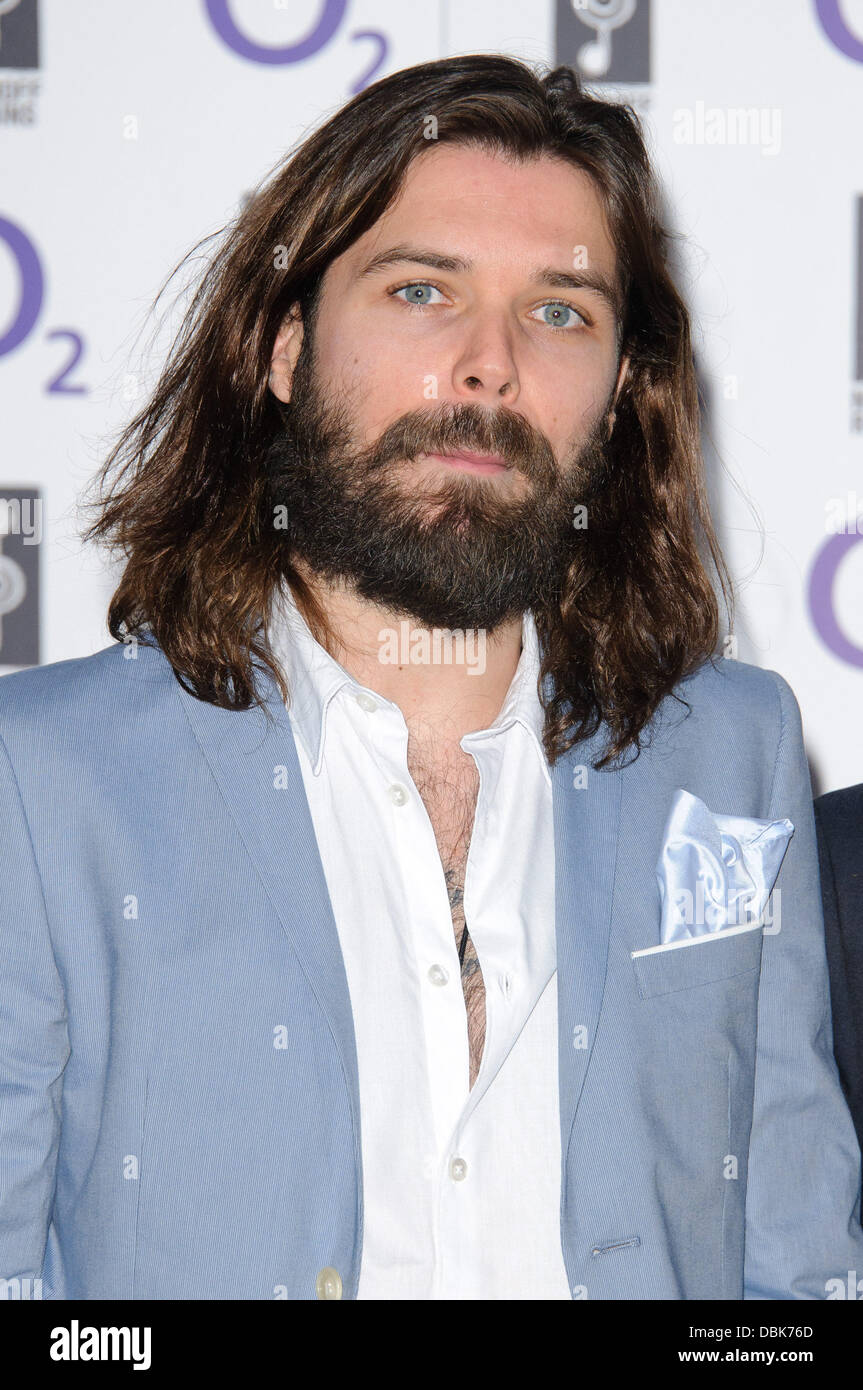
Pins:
x: 26, y: 312
x: 822, y: 605
x: 331, y: 16
x: 833, y: 23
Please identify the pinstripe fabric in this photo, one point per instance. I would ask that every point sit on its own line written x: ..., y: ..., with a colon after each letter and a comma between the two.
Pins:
x: 682, y: 1179
x: 179, y: 1112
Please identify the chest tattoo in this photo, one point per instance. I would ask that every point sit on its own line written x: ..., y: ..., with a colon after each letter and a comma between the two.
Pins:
x: 449, y: 793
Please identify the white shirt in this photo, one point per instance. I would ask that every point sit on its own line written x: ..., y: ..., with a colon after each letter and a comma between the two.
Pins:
x: 461, y: 1187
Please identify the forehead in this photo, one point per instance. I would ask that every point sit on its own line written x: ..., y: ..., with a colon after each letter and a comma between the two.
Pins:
x: 494, y: 210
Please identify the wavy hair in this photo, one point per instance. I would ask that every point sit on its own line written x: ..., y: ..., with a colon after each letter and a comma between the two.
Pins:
x: 183, y: 493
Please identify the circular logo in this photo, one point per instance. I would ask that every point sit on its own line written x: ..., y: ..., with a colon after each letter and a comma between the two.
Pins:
x: 822, y: 582
x: 833, y: 23
x: 225, y: 25
x: 32, y: 286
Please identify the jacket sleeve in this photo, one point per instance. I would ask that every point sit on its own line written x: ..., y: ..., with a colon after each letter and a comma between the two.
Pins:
x: 34, y: 1047
x: 803, y: 1233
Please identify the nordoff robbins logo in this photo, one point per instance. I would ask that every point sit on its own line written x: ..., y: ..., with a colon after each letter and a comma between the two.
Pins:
x: 437, y: 646
x: 76, y: 1343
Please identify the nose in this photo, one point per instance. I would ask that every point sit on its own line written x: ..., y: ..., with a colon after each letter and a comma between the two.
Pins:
x: 485, y: 371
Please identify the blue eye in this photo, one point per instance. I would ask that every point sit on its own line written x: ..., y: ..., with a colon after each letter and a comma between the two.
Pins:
x: 414, y: 289
x: 557, y: 309
x: 559, y: 315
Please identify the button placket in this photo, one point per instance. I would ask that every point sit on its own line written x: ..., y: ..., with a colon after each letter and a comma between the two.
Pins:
x: 429, y: 925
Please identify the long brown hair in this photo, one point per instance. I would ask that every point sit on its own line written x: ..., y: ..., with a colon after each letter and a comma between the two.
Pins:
x: 182, y: 494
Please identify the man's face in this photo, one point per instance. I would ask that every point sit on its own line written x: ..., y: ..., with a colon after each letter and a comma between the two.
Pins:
x: 474, y: 322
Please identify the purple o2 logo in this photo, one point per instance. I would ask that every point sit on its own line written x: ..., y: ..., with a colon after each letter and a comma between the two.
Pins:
x: 832, y: 21
x: 26, y: 312
x: 331, y: 16
x: 32, y: 283
x: 822, y: 606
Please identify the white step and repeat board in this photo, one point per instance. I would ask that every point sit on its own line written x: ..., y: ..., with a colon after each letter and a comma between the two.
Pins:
x: 129, y: 130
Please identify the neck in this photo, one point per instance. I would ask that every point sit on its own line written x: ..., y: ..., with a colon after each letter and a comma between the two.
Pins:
x: 446, y: 686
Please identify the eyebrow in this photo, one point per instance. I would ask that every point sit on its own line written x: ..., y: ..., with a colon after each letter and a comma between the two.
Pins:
x: 456, y: 265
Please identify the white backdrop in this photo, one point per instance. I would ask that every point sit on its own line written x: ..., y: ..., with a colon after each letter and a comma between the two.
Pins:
x: 129, y: 130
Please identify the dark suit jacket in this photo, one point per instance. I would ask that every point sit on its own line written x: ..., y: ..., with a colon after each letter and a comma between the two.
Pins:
x: 839, y: 822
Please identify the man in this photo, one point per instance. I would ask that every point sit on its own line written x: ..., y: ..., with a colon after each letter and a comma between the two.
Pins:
x: 839, y: 827
x: 335, y: 961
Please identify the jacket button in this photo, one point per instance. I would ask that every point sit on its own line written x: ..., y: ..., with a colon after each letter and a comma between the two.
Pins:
x: 328, y: 1283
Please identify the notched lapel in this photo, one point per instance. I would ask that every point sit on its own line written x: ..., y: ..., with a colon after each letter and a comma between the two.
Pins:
x: 255, y: 765
x: 586, y: 829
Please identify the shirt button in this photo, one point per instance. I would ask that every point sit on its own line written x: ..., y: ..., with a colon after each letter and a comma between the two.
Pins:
x: 438, y: 975
x: 328, y: 1283
x: 458, y: 1170
x: 398, y: 794
x: 366, y: 702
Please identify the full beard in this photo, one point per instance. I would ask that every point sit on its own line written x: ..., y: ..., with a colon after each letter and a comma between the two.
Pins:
x: 453, y: 553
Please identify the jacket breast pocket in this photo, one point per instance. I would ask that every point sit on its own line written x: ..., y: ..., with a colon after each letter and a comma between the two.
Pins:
x: 702, y: 960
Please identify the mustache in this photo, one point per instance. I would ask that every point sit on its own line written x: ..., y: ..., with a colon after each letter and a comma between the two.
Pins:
x: 454, y: 426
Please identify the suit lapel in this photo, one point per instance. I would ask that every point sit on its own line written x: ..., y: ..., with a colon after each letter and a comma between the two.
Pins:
x: 245, y: 752
x: 586, y: 827
x: 254, y: 763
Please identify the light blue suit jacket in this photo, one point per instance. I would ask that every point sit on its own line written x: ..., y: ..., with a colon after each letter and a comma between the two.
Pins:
x: 164, y: 914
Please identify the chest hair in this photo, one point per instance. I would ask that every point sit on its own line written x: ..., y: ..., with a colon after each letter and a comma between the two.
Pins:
x: 448, y: 783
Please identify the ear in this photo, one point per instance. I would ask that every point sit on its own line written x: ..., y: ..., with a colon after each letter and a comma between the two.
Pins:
x: 286, y: 350
x: 621, y: 377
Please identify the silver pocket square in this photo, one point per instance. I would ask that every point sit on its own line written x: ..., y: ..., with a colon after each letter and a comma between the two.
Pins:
x: 715, y: 871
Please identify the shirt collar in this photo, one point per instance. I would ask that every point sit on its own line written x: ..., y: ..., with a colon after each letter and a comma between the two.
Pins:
x: 522, y: 703
x: 314, y: 678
